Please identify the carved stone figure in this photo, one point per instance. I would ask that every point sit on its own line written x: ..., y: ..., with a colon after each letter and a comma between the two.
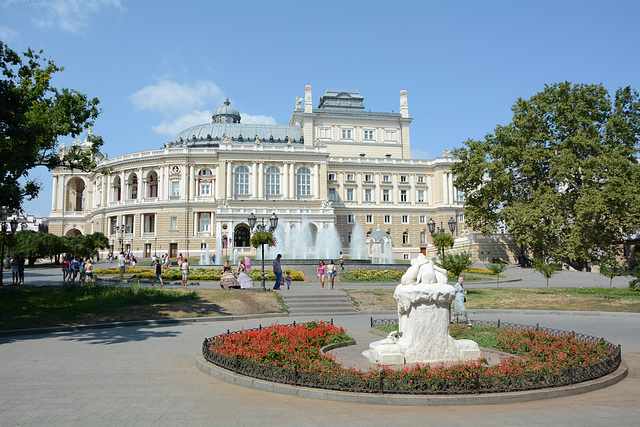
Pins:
x: 424, y: 302
x: 298, y: 102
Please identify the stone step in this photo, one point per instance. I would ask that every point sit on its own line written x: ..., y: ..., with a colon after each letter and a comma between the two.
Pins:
x: 319, y: 311
x: 314, y: 305
x: 319, y: 304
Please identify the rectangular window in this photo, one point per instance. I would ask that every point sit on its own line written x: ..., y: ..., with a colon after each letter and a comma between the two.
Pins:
x: 368, y: 177
x: 420, y: 179
x: 331, y: 177
x: 423, y: 238
x: 420, y: 196
x: 205, y: 189
x: 346, y: 133
x: 405, y: 256
x: 332, y: 194
x: 460, y: 196
x: 175, y: 188
x: 350, y: 177
x: 368, y: 135
x: 403, y: 195
x: 369, y: 219
x: 423, y: 219
x: 385, y: 195
x: 350, y: 219
x: 368, y: 195
x: 405, y: 219
x: 173, y: 224
x: 390, y: 135
x: 404, y: 178
x: 461, y: 218
x: 349, y: 194
x: 386, y: 178
x: 387, y: 219
x: 205, y: 222
x: 324, y: 133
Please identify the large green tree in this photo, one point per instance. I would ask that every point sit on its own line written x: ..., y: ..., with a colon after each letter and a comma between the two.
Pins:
x: 33, y: 115
x: 563, y: 176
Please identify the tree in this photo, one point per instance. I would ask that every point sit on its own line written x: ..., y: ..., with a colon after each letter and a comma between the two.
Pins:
x: 443, y: 240
x: 33, y: 115
x: 562, y: 176
x: 497, y: 268
x: 610, y: 267
x: 545, y: 267
x: 86, y: 246
x: 36, y: 245
x: 456, y: 263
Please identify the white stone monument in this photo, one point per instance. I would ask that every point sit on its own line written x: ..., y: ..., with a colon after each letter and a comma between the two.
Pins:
x: 424, y: 303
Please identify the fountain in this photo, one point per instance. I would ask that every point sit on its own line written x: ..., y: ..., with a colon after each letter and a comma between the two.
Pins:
x: 304, y: 240
x: 424, y: 304
x: 358, y: 250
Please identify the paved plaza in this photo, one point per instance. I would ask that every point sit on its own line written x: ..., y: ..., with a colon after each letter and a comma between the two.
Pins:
x: 147, y: 375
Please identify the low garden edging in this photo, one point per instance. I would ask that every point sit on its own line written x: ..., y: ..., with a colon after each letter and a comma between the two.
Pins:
x: 384, y: 389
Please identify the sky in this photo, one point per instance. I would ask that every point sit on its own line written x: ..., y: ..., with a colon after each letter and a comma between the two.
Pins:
x: 160, y: 66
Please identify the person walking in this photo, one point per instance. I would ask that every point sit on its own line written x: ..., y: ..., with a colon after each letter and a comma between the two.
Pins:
x: 341, y: 261
x: 121, y: 262
x: 21, y: 261
x: 321, y: 273
x: 287, y: 279
x: 65, y: 268
x: 75, y: 268
x: 277, y: 270
x: 88, y: 271
x: 331, y: 273
x: 185, y: 271
x: 460, y: 309
x: 158, y: 274
x: 15, y: 280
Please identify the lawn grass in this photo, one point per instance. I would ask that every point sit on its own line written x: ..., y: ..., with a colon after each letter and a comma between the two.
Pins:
x: 46, y: 306
x: 485, y: 336
x: 567, y: 299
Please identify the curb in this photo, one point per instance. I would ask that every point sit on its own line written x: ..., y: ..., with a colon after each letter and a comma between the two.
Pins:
x: 412, y: 400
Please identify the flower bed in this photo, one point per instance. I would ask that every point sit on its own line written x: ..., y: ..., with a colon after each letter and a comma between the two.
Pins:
x: 291, y: 355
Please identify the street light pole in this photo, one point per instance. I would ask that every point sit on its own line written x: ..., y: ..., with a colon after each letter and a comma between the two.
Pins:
x: 261, y: 227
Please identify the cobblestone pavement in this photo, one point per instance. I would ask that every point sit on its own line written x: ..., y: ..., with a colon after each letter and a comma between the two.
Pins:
x: 146, y: 375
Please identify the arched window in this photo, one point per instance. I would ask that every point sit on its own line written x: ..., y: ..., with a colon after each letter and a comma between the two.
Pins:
x: 117, y: 187
x: 242, y: 180
x: 405, y: 238
x: 134, y: 186
x: 273, y: 181
x: 304, y: 182
x: 423, y: 238
x: 242, y: 237
x: 153, y: 184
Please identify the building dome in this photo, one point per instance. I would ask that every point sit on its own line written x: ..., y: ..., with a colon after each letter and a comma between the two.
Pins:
x: 226, y: 114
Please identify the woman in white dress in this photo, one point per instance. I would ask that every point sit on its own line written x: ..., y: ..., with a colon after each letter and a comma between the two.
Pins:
x: 243, y: 278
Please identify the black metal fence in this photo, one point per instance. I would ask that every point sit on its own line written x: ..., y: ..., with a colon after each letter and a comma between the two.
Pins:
x: 423, y: 385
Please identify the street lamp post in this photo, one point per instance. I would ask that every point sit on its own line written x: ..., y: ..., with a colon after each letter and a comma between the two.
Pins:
x: 273, y: 223
x: 122, y: 229
x: 433, y: 230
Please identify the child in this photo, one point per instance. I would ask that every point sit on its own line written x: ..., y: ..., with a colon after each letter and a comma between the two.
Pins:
x: 287, y: 279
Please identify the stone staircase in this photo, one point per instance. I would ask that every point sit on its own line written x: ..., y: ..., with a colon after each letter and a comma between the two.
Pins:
x: 319, y: 305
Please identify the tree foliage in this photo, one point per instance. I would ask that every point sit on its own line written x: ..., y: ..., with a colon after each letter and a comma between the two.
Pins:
x: 36, y: 245
x: 546, y: 267
x: 33, y: 115
x: 455, y: 263
x: 497, y: 268
x: 563, y: 176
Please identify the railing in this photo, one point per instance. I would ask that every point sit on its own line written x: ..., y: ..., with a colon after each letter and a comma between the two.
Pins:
x: 423, y: 385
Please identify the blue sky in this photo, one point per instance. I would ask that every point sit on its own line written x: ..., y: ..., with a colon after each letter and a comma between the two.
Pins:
x: 160, y: 66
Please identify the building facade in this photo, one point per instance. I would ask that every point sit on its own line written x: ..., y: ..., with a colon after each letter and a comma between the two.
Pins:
x: 334, y: 170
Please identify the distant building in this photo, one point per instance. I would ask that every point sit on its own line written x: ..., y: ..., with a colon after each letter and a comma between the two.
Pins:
x: 330, y: 168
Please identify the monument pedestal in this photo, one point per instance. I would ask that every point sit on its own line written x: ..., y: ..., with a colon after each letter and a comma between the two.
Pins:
x: 423, y: 320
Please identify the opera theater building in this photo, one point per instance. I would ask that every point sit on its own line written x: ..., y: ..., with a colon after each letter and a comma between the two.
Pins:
x: 338, y: 177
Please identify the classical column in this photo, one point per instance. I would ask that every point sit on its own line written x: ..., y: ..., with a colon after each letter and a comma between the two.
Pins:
x: 450, y: 181
x: 292, y: 180
x: 183, y: 183
x: 285, y: 180
x: 261, y: 180
x: 195, y: 224
x: 394, y: 195
x: 359, y: 188
x: 192, y: 182
x: 229, y: 179
x: 377, y: 195
x: 445, y: 188
x: 54, y: 194
x: 254, y: 180
x: 412, y: 190
x: 316, y: 182
x: 141, y: 193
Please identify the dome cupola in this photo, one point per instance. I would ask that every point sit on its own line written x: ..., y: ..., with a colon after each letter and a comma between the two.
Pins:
x: 226, y: 114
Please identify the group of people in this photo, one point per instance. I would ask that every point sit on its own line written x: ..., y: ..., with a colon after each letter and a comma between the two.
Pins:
x: 238, y: 279
x: 74, y: 266
x: 329, y: 271
x: 17, y: 269
x: 280, y: 278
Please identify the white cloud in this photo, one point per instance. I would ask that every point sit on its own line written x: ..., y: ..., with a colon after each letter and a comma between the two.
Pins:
x: 8, y: 34
x: 257, y: 120
x: 419, y: 154
x: 174, y: 127
x: 168, y: 96
x: 70, y: 15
